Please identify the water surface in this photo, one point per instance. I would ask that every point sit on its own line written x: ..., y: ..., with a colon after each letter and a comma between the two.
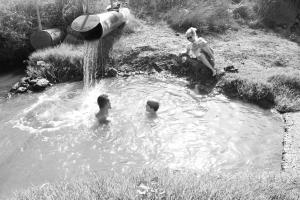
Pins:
x: 53, y: 135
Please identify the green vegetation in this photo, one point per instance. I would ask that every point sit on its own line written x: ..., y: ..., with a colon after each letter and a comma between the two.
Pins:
x: 18, y: 20
x: 157, y: 185
x: 278, y: 12
x: 58, y: 64
x: 281, y: 90
x: 206, y: 16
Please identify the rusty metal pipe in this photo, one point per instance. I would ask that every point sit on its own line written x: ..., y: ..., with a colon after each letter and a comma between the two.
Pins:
x: 99, y: 25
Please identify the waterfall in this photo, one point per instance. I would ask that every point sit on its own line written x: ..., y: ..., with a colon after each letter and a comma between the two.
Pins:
x: 92, y: 62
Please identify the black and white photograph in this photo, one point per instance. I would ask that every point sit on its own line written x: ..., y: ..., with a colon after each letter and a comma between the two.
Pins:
x: 149, y: 99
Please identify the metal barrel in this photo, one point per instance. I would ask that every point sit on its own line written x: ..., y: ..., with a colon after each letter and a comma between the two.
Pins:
x: 99, y: 25
x: 46, y: 38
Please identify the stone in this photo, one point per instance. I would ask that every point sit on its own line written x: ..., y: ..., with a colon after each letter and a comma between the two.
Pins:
x: 41, y: 63
x: 15, y: 87
x: 25, y: 80
x: 158, y: 66
x: 21, y: 90
x: 42, y: 82
x: 24, y: 84
x: 112, y: 72
x: 33, y: 81
x: 40, y: 85
x: 231, y: 69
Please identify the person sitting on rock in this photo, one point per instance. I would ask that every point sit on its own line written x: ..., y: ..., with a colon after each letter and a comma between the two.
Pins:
x: 199, y: 49
x: 104, y: 106
x: 152, y: 106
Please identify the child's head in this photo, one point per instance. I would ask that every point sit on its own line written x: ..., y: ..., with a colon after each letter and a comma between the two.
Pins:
x: 152, y: 106
x: 103, y: 102
x: 191, y: 34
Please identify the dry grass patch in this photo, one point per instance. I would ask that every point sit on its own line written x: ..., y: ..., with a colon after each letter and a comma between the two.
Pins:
x: 165, y: 184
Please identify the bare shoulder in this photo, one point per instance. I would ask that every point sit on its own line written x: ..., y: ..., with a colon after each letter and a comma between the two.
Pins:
x: 201, y: 41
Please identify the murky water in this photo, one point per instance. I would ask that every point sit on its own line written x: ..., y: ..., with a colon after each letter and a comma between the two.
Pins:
x: 6, y: 82
x: 53, y: 135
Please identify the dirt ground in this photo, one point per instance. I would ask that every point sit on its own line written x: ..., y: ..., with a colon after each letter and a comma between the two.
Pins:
x: 255, y: 53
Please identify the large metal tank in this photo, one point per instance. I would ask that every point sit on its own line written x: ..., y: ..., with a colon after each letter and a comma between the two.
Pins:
x: 46, y: 38
x: 98, y: 25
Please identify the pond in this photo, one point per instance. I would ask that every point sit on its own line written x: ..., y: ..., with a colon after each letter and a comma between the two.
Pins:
x: 53, y: 135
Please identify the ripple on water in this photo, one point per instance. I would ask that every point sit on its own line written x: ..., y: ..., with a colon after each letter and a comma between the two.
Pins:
x: 190, y: 131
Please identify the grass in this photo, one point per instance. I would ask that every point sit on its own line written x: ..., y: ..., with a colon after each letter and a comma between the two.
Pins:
x: 281, y: 90
x: 254, y: 91
x: 206, y: 16
x: 286, y: 88
x: 165, y: 184
x: 277, y: 12
x: 60, y: 64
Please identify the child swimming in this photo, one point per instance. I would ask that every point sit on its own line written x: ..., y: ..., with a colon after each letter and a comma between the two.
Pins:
x: 152, y: 106
x: 104, y: 106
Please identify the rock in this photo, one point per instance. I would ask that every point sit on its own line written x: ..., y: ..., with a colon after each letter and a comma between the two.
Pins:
x: 112, y: 72
x: 33, y: 81
x: 40, y: 62
x: 24, y: 84
x: 25, y: 80
x: 231, y: 69
x: 253, y: 33
x: 15, y: 87
x: 126, y: 75
x: 40, y: 85
x: 158, y: 66
x: 151, y: 71
x: 21, y: 90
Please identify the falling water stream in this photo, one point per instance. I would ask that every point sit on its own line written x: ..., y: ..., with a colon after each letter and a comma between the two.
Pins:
x: 53, y: 135
x: 92, y: 62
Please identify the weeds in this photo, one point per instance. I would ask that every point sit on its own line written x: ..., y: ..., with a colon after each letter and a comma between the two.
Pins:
x: 207, y: 16
x: 58, y: 64
x: 279, y: 90
x: 277, y: 12
x: 164, y: 184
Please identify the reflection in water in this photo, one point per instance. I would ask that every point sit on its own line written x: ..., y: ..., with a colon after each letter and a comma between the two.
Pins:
x: 53, y: 135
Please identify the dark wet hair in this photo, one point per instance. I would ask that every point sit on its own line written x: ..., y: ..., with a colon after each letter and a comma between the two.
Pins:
x: 102, y: 100
x: 153, y: 104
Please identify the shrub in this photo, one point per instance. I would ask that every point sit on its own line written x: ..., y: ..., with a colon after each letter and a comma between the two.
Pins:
x: 58, y: 64
x: 251, y: 90
x: 207, y: 16
x: 279, y: 90
x: 18, y: 20
x: 286, y: 88
x: 277, y: 12
x: 244, y: 12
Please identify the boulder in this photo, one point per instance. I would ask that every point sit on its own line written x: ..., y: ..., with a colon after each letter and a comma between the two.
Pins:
x: 40, y: 85
x: 21, y: 89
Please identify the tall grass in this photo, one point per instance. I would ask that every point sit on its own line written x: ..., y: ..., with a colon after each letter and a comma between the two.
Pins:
x: 281, y: 90
x: 287, y: 89
x: 278, y: 12
x: 18, y: 20
x: 58, y: 64
x: 206, y: 16
x: 163, y: 184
